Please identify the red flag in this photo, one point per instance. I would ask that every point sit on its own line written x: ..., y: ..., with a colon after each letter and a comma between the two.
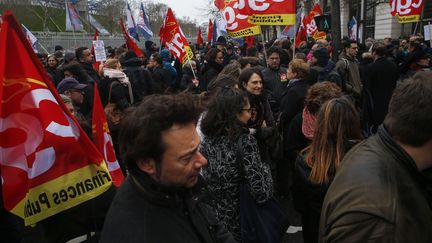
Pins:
x: 301, y: 36
x: 199, y: 37
x: 131, y: 45
x: 102, y: 139
x: 250, y: 40
x: 409, y: 11
x: 174, y: 39
x: 210, y: 31
x: 48, y: 163
x: 237, y: 24
x: 267, y: 12
x: 95, y: 64
x: 316, y: 10
x: 220, y: 4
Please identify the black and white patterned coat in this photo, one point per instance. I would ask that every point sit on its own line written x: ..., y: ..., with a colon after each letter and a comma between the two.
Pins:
x: 223, y: 177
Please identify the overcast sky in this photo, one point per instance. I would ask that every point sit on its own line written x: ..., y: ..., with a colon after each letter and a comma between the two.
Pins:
x: 189, y: 8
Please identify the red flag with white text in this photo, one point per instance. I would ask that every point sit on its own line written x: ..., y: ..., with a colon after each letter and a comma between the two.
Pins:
x: 237, y: 24
x: 407, y: 11
x: 174, y: 38
x: 269, y: 12
x: 310, y: 25
x: 131, y: 45
x: 103, y: 141
x: 48, y: 164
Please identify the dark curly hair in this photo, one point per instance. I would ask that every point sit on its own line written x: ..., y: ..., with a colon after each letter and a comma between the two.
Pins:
x: 141, y: 131
x: 221, y: 117
x: 247, y: 74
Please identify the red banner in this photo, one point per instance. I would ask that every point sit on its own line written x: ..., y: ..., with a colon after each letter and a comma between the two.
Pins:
x: 237, y: 23
x: 131, y: 45
x: 48, y: 164
x: 269, y: 12
x: 310, y: 24
x: 102, y: 139
x: 175, y: 39
x: 406, y: 11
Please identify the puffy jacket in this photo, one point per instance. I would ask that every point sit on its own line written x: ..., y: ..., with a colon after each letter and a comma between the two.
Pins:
x: 144, y: 211
x: 378, y: 195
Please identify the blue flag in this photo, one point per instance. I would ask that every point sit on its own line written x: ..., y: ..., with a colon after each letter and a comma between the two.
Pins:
x: 352, y: 29
x: 143, y: 25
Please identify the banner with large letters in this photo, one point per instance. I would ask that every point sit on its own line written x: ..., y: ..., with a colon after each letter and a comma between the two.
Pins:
x: 47, y: 162
x: 407, y: 11
x: 174, y: 38
x: 269, y: 12
x: 237, y: 24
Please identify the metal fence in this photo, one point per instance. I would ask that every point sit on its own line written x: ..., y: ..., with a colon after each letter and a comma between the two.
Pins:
x: 70, y: 41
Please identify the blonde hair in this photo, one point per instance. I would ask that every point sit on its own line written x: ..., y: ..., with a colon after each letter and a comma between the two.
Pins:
x: 300, y: 67
x: 111, y: 63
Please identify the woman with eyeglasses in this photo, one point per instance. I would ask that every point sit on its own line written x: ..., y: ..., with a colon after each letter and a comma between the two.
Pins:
x: 225, y: 137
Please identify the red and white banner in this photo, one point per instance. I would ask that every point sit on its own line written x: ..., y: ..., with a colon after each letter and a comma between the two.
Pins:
x: 406, y: 11
x: 103, y: 141
x: 310, y: 24
x: 174, y: 38
x: 269, y: 12
x: 48, y: 164
x: 237, y: 24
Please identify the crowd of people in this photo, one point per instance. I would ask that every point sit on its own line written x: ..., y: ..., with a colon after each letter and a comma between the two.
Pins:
x: 347, y: 139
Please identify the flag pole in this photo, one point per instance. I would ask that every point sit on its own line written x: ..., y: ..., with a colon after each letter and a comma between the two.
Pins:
x: 263, y: 42
x: 430, y: 33
x: 295, y: 34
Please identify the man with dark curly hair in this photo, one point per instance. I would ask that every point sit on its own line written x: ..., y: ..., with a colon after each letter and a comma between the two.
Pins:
x: 162, y: 198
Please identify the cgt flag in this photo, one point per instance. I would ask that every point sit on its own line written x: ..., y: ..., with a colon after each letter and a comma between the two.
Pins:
x: 103, y: 141
x: 407, y: 11
x: 174, y: 38
x: 268, y: 12
x: 48, y: 164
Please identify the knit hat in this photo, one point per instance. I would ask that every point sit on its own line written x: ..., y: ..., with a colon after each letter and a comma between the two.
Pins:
x: 321, y: 53
x: 68, y: 84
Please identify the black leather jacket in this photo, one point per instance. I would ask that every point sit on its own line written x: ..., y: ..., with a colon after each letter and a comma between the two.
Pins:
x: 144, y: 211
x: 378, y: 195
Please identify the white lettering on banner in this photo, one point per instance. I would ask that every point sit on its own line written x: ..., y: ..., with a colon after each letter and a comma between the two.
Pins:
x: 230, y: 18
x: 311, y: 27
x: 17, y: 155
x: 176, y: 45
x: 112, y: 165
x: 255, y: 4
x: 403, y: 9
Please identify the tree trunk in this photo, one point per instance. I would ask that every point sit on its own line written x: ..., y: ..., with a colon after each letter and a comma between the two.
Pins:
x: 335, y: 28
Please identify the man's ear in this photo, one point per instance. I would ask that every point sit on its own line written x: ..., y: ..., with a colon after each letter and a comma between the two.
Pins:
x: 148, y: 166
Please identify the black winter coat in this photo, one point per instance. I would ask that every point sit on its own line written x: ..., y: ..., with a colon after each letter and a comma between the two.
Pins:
x: 378, y: 193
x: 140, y: 79
x: 143, y: 211
x: 380, y: 82
x: 292, y: 102
x: 161, y: 80
x: 209, y: 72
